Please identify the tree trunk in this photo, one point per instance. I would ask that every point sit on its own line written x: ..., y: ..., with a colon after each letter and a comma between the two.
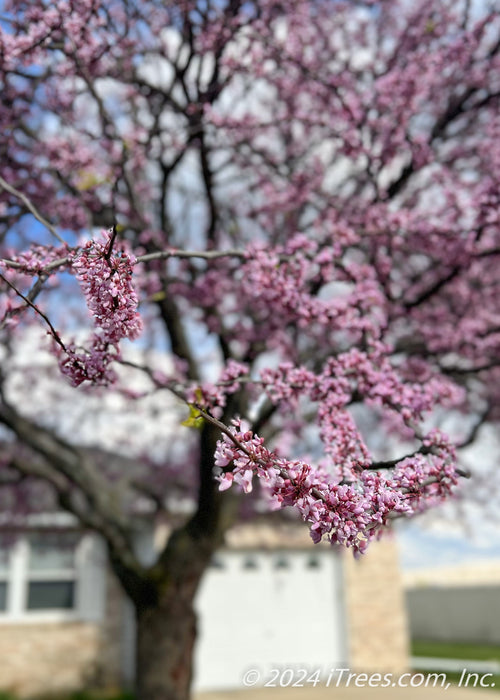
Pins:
x: 166, y: 634
x: 165, y: 617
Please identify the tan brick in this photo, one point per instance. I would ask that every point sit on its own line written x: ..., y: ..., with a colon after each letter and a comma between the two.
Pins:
x: 53, y: 657
x: 376, y: 621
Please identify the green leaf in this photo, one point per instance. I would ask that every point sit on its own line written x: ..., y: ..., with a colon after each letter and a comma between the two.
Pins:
x: 195, y: 419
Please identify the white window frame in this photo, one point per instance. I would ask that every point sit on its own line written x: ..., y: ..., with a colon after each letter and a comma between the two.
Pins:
x: 88, y: 574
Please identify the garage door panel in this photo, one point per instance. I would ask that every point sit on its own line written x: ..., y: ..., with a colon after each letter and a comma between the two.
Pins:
x: 263, y: 610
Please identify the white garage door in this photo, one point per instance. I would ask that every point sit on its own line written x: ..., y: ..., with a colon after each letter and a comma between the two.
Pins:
x: 264, y: 611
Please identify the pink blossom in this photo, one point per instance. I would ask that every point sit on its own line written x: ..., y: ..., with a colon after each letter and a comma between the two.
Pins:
x: 105, y: 278
x: 347, y: 514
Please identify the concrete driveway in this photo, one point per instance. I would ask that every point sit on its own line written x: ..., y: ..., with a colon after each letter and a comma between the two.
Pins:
x: 352, y: 693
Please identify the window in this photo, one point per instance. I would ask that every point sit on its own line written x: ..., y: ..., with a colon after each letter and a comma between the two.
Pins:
x: 217, y: 563
x: 51, y: 576
x: 250, y: 563
x: 4, y: 570
x: 313, y: 563
x: 282, y: 563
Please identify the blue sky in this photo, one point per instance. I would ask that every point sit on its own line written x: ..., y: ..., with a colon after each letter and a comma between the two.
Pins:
x: 423, y: 546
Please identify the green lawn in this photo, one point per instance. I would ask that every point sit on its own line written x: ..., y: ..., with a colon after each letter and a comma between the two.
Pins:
x: 460, y: 650
x: 456, y: 650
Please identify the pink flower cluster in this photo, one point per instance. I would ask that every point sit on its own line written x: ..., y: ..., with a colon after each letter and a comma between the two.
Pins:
x: 354, y: 376
x: 213, y: 397
x: 88, y: 364
x: 106, y: 283
x: 350, y: 514
x: 36, y: 260
x: 105, y: 278
x: 278, y: 283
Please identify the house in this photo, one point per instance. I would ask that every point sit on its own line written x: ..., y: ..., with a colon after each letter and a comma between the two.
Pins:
x: 64, y: 619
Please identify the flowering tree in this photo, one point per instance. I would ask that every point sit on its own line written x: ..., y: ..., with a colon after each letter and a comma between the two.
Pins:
x: 300, y: 206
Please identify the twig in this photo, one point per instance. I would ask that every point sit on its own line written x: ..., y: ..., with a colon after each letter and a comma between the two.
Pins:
x: 53, y: 331
x: 390, y: 463
x: 111, y: 243
x: 203, y: 254
x: 159, y: 255
x: 15, y: 265
x: 31, y: 207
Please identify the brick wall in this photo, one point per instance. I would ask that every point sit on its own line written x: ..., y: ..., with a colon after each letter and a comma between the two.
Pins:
x: 48, y: 657
x: 376, y: 619
x: 53, y: 657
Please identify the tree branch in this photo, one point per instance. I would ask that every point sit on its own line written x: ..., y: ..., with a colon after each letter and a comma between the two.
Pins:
x: 71, y: 467
x: 31, y: 208
x: 201, y: 254
x: 27, y: 299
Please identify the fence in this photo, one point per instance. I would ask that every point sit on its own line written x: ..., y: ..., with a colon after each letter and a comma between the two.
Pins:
x: 455, y: 614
